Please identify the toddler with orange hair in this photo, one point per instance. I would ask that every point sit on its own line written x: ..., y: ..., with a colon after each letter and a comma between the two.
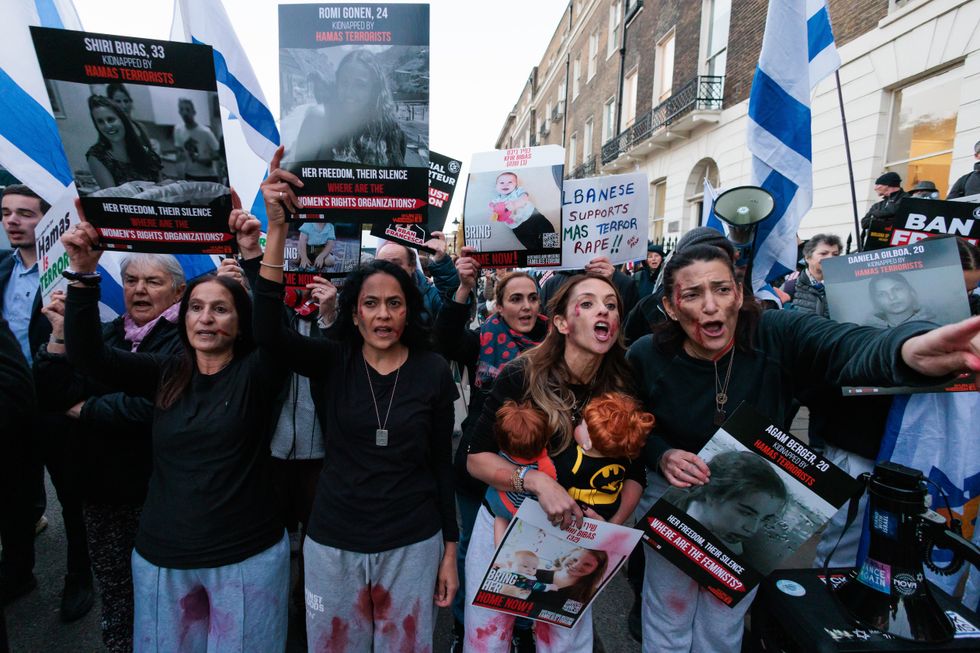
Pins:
x: 522, y: 434
x: 604, y: 472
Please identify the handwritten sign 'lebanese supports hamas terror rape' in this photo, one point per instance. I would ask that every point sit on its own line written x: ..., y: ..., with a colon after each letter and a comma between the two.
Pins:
x: 604, y: 216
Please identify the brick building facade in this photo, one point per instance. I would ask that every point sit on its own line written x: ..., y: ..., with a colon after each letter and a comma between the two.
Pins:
x: 663, y: 88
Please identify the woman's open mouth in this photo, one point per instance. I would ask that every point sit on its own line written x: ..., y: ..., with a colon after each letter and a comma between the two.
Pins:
x: 713, y: 329
x: 603, y: 332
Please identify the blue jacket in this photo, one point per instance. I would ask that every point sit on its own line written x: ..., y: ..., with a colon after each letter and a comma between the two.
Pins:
x: 444, y: 283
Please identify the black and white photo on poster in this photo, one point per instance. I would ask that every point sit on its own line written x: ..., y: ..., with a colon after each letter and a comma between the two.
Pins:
x: 917, y: 219
x: 887, y: 287
x: 768, y: 493
x: 512, y: 212
x: 408, y: 229
x: 354, y: 100
x: 140, y: 125
x: 547, y: 574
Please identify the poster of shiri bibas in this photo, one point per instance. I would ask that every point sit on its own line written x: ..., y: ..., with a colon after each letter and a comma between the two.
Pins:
x: 140, y: 124
x: 604, y: 216
x: 544, y: 573
x: 408, y: 229
x: 887, y: 287
x: 318, y: 249
x: 512, y: 213
x: 354, y: 101
x: 919, y: 218
x: 768, y: 493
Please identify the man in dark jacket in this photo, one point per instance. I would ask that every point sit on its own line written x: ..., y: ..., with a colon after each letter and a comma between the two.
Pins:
x: 881, y: 216
x: 968, y: 184
x: 810, y: 295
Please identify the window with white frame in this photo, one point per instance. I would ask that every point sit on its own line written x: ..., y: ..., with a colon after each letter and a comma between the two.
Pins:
x: 572, y: 148
x: 612, y: 39
x: 658, y: 209
x: 587, y: 139
x: 593, y: 53
x: 562, y: 90
x: 663, y: 69
x: 576, y: 76
x: 609, y: 119
x: 717, y: 15
x: 629, y: 98
x: 923, y: 126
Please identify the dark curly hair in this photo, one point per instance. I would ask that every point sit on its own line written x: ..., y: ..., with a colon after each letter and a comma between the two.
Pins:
x: 415, y: 334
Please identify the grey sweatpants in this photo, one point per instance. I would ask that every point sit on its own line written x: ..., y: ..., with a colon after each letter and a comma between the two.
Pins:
x: 237, y: 608
x: 679, y: 616
x: 362, y: 602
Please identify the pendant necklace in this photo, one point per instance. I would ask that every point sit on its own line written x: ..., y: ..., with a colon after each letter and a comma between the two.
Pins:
x: 381, y: 434
x: 721, y: 390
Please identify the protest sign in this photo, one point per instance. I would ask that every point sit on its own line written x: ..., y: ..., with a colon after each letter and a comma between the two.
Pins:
x: 887, y: 287
x: 140, y: 126
x: 354, y: 101
x: 52, y: 259
x: 512, y: 212
x: 526, y: 576
x: 768, y: 493
x: 919, y: 218
x: 318, y: 249
x: 604, y: 216
x: 408, y: 230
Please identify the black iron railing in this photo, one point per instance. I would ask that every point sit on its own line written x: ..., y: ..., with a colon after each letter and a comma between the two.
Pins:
x: 587, y: 169
x: 703, y: 93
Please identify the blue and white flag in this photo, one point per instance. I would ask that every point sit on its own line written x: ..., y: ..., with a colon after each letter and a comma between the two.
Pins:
x: 30, y: 147
x: 798, y: 51
x: 937, y: 434
x: 708, y: 217
x: 206, y: 22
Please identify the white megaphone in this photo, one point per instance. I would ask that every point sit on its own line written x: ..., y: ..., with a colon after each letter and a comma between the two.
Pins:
x: 743, y: 207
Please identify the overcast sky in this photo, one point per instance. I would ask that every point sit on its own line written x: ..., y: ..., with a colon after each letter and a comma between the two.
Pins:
x: 482, y: 52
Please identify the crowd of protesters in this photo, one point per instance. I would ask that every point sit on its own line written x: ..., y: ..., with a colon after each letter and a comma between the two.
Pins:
x: 189, y: 437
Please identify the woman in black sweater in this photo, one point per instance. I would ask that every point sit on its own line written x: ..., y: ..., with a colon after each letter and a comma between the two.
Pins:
x: 381, y: 543
x: 211, y: 559
x: 717, y: 351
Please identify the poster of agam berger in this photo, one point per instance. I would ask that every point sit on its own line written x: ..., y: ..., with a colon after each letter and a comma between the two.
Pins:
x: 141, y: 128
x: 768, y: 493
x: 544, y: 573
x: 354, y: 101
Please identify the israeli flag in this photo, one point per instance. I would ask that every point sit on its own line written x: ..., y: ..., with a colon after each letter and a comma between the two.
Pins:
x: 251, y: 145
x: 708, y: 217
x: 798, y: 51
x: 30, y: 148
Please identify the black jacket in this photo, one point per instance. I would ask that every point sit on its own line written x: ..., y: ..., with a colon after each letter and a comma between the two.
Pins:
x: 881, y: 215
x: 39, y: 329
x: 16, y: 389
x: 111, y: 440
x: 968, y: 184
x: 809, y: 298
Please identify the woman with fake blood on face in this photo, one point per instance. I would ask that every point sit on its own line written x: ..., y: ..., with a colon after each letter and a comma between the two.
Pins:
x: 380, y: 550
x: 718, y: 343
x: 515, y: 326
x: 211, y: 558
x: 581, y: 356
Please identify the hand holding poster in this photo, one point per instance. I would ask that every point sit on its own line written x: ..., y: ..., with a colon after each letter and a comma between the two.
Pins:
x: 767, y: 494
x: 604, y: 216
x: 527, y: 575
x: 512, y: 212
x: 318, y: 249
x: 52, y: 259
x: 918, y: 218
x: 139, y: 122
x: 354, y: 101
x: 408, y: 229
x: 887, y: 287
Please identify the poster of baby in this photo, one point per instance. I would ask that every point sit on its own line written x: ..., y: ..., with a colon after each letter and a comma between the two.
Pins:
x: 512, y: 212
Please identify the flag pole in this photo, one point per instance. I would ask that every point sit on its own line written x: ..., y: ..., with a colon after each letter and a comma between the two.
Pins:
x: 850, y: 166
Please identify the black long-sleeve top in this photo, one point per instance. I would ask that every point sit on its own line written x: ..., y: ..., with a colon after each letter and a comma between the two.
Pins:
x: 371, y: 498
x: 210, y: 496
x: 791, y: 352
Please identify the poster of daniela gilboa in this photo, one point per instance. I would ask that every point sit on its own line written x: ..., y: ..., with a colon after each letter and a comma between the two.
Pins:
x: 768, y: 493
x: 141, y: 128
x: 354, y: 101
x: 544, y: 573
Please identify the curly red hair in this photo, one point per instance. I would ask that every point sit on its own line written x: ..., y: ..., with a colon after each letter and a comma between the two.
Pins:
x: 617, y: 425
x: 521, y: 429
